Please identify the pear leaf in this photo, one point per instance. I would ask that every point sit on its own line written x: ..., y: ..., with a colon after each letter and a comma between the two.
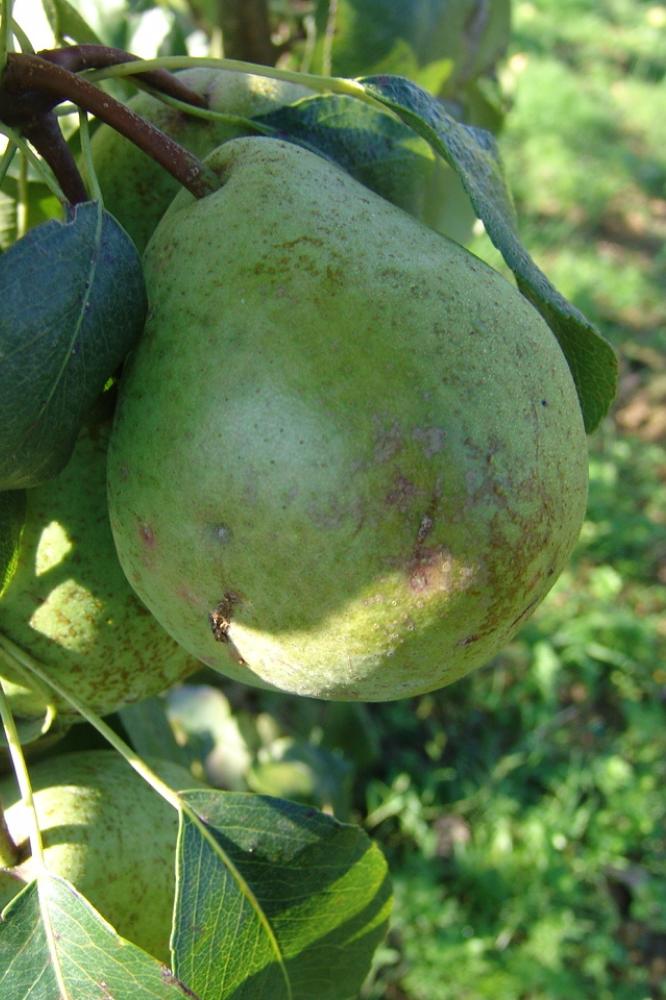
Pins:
x: 294, y: 900
x: 473, y: 153
x: 73, y: 303
x: 12, y: 519
x: 298, y: 770
x: 372, y: 145
x: 66, y: 22
x: 54, y: 944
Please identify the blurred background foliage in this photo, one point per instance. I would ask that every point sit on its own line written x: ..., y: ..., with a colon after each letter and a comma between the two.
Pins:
x: 522, y: 810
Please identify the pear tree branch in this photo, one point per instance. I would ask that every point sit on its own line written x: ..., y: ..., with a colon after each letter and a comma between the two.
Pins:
x: 44, y: 135
x: 33, y: 86
x: 76, y: 58
x: 246, y: 31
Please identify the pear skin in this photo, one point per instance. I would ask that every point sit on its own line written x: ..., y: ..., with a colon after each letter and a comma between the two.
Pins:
x: 348, y: 458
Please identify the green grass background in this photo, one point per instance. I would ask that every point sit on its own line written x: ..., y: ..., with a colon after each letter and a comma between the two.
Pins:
x: 523, y: 809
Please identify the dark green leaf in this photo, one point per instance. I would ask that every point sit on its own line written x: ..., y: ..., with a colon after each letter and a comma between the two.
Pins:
x: 474, y: 155
x: 67, y: 23
x: 294, y: 900
x: 73, y: 303
x: 12, y: 519
x: 55, y: 946
x: 373, y: 146
x: 382, y: 153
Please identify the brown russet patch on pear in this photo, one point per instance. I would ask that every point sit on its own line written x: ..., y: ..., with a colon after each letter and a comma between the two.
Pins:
x: 431, y: 568
x: 403, y: 491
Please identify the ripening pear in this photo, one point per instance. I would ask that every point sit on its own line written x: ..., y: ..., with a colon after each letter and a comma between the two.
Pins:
x: 70, y: 607
x: 106, y: 831
x: 136, y: 190
x: 348, y: 458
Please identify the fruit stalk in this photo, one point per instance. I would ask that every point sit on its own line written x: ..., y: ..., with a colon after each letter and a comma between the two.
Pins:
x: 9, y: 852
x: 45, y: 136
x: 32, y: 86
x: 22, y: 776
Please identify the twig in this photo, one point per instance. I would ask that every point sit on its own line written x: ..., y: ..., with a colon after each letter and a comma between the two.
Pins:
x: 81, y: 57
x: 45, y: 136
x: 246, y: 31
x: 32, y: 86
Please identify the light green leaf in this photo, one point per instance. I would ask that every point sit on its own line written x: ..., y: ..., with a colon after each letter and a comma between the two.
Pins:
x: 12, y: 519
x: 297, y: 770
x: 147, y: 725
x: 67, y: 24
x: 55, y: 946
x: 222, y: 740
x: 40, y: 206
x: 442, y: 44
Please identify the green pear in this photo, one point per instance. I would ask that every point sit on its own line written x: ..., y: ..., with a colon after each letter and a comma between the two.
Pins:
x: 348, y: 458
x: 106, y: 831
x: 70, y: 607
x: 136, y: 190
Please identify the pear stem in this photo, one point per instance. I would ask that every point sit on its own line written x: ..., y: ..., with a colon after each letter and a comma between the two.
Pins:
x: 9, y: 852
x: 22, y: 776
x: 45, y: 136
x: 5, y: 31
x: 32, y: 85
x: 18, y: 144
x: 86, y: 154
x: 321, y: 84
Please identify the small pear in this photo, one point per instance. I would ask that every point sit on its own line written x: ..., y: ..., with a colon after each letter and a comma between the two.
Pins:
x: 106, y: 831
x: 348, y: 458
x: 70, y: 607
x: 136, y: 190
